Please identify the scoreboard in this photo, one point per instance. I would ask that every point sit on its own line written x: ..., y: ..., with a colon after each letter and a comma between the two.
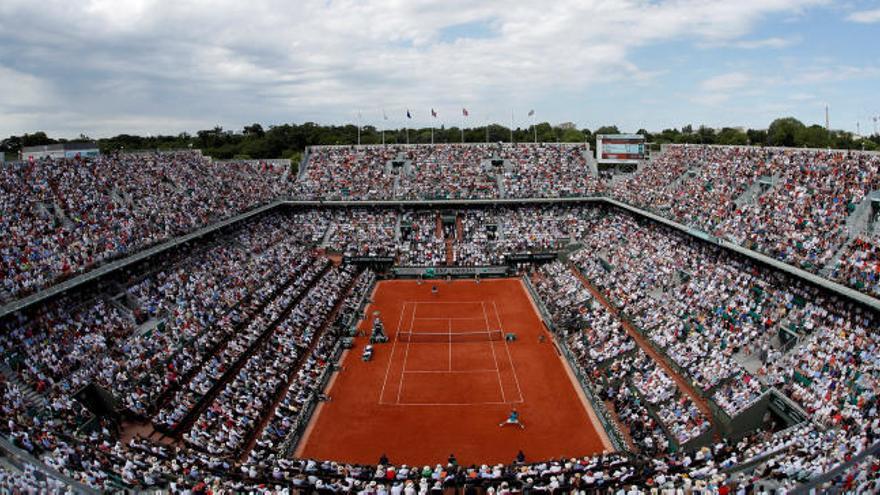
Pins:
x: 620, y: 148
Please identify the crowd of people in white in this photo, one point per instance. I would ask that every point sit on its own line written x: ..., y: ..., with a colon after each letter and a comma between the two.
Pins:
x: 799, y: 216
x: 639, y: 388
x: 62, y: 217
x: 228, y: 340
x: 446, y: 171
x: 66, y: 216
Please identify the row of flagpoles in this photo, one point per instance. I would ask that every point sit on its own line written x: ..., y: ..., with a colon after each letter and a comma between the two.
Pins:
x: 434, y: 115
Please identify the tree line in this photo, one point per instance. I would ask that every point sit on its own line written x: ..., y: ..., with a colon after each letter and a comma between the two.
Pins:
x: 289, y: 140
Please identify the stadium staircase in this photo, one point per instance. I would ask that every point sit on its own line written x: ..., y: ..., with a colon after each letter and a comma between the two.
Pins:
x: 499, y: 178
x: 206, y: 400
x: 117, y: 198
x: 61, y: 215
x: 760, y: 186
x: 438, y: 230
x: 33, y: 399
x: 303, y: 164
x: 44, y: 211
x: 829, y: 267
x: 325, y: 241
x: 862, y: 220
x: 307, y: 352
x: 688, y: 174
x: 592, y: 164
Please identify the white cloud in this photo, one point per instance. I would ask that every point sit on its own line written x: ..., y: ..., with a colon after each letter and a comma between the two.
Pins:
x: 865, y: 16
x: 725, y: 82
x: 232, y: 62
x: 773, y: 42
x: 19, y: 90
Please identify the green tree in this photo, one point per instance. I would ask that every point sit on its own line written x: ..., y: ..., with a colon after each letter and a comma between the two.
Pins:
x: 254, y: 130
x: 757, y: 137
x: 731, y: 136
x: 571, y: 136
x: 706, y: 135
x: 814, y: 136
x: 784, y: 132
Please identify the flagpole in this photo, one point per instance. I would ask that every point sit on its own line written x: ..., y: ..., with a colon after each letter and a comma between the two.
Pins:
x: 487, y: 129
x: 511, y: 126
x: 359, y: 128
x: 535, y: 128
x: 463, y: 122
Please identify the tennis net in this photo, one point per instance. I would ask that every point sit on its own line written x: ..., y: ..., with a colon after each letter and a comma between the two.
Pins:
x: 443, y: 337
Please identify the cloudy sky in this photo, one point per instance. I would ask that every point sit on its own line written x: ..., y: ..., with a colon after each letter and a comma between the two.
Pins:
x: 104, y: 67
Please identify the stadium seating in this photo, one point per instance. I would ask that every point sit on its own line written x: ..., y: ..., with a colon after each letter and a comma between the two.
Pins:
x: 447, y: 172
x: 65, y: 216
x: 226, y: 345
x: 798, y: 206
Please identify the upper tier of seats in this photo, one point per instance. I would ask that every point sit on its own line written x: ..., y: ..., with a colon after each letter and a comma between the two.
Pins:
x: 447, y: 172
x: 61, y: 217
x: 804, y: 207
x: 808, y: 208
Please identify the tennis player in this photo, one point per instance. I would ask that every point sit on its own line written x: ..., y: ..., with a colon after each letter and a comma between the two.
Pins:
x: 512, y: 419
x: 434, y: 289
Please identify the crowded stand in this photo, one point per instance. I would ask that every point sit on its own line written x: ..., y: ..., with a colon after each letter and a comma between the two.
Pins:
x: 703, y: 307
x: 547, y: 171
x: 859, y: 265
x: 420, y: 243
x: 194, y: 305
x: 364, y: 232
x: 798, y: 215
x: 633, y: 382
x: 347, y: 172
x: 223, y: 348
x: 65, y: 216
x: 480, y: 229
x: 292, y: 413
x: 226, y: 424
x: 231, y: 340
x: 700, y: 307
x: 447, y: 171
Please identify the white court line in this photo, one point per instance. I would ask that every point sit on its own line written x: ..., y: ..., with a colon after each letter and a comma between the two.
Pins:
x: 391, y: 357
x: 495, y: 358
x: 435, y: 404
x: 406, y: 354
x: 487, y: 370
x: 509, y: 357
x: 444, y: 302
x: 449, y: 318
x: 450, y: 345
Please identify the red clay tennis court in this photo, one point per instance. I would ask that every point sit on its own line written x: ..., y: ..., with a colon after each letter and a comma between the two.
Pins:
x: 448, y: 377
